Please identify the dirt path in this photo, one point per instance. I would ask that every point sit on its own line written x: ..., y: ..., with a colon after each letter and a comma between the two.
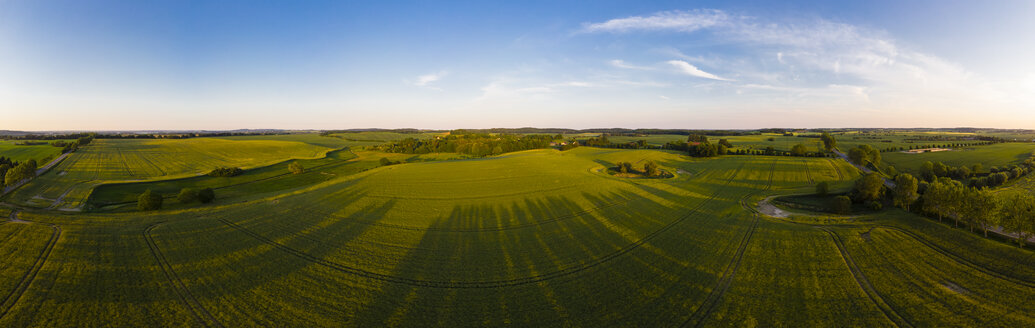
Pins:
x: 887, y: 183
x: 767, y: 208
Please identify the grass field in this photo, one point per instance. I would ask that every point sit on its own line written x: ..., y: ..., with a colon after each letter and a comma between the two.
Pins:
x: 20, y: 153
x: 1001, y: 154
x: 536, y: 238
x: 118, y: 160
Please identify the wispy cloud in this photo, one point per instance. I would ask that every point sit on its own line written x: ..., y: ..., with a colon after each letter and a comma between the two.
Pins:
x: 686, y: 68
x: 427, y: 80
x: 684, y: 21
x: 622, y: 64
x: 811, y: 61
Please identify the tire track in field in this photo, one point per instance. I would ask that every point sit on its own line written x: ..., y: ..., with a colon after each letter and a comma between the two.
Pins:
x: 197, y: 310
x: 311, y: 169
x: 864, y: 283
x: 360, y: 220
x: 808, y: 174
x: 840, y: 176
x: 712, y: 300
x: 16, y: 294
x: 959, y: 259
x: 480, y: 284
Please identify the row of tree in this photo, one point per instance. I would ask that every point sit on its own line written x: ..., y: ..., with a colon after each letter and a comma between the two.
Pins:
x: 864, y: 154
x: 470, y: 144
x: 19, y: 172
x: 650, y: 168
x: 151, y: 201
x: 1013, y: 211
x: 975, y: 175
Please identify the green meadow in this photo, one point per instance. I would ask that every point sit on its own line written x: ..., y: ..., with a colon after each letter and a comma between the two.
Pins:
x: 535, y: 238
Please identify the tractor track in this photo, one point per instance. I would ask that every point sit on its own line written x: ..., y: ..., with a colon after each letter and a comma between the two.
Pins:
x: 15, y: 295
x: 959, y: 259
x: 864, y: 283
x: 808, y: 174
x: 840, y: 176
x: 197, y: 310
x: 480, y: 284
x: 719, y: 291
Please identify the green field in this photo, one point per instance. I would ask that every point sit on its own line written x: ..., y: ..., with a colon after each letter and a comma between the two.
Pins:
x: 21, y: 153
x: 1002, y: 154
x: 537, y: 238
x: 68, y: 185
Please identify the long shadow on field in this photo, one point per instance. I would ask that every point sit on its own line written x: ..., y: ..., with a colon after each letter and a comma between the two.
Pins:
x: 498, y: 255
x: 202, y: 255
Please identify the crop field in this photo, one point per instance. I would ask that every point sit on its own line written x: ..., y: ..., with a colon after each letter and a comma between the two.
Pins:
x: 536, y: 238
x: 69, y: 184
x: 21, y: 153
x: 1001, y: 154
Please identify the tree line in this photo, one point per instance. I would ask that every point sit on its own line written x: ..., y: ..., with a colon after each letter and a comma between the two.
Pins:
x: 977, y: 207
x: 475, y: 144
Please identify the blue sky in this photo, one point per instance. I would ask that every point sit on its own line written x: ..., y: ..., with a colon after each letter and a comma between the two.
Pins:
x: 93, y: 65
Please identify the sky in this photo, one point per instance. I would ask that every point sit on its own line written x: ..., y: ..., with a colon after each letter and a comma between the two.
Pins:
x: 149, y: 65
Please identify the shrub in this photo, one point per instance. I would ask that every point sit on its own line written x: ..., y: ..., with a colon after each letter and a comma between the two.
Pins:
x: 187, y: 195
x: 651, y: 169
x: 206, y: 195
x: 296, y: 168
x: 875, y: 205
x: 822, y: 188
x: 226, y: 172
x: 842, y: 205
x: 149, y: 201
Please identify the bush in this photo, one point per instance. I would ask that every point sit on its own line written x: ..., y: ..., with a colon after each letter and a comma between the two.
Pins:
x: 651, y: 169
x: 842, y: 205
x: 822, y: 188
x: 296, y: 168
x: 226, y: 172
x: 149, y: 201
x: 187, y: 195
x: 206, y: 195
x: 875, y: 205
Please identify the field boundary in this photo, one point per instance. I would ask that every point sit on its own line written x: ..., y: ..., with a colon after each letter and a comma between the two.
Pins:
x: 188, y: 299
x: 15, y: 295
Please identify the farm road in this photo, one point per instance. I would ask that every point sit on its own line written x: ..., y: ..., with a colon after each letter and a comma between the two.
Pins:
x: 887, y: 182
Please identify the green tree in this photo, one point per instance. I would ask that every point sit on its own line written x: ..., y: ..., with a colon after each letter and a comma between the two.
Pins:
x: 385, y: 161
x: 187, y: 195
x: 829, y: 143
x: 905, y: 190
x: 822, y: 188
x: 149, y: 201
x: 977, y: 168
x: 206, y: 195
x: 857, y: 155
x: 982, y: 208
x: 841, y: 205
x: 25, y: 170
x: 869, y: 187
x: 651, y: 169
x: 927, y: 171
x: 799, y: 150
x: 1019, y: 218
x: 296, y: 168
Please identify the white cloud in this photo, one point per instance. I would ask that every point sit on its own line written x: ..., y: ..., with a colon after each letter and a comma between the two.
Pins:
x: 807, y: 63
x: 621, y: 64
x: 427, y: 80
x: 684, y: 21
x: 686, y: 68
